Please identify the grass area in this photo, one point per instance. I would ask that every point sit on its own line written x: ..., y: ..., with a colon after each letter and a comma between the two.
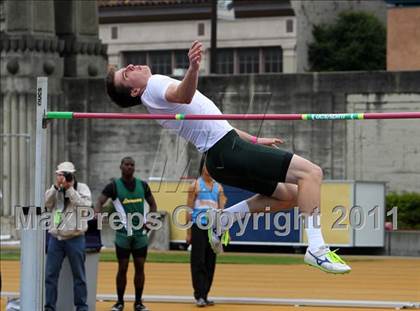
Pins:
x: 184, y: 257
x: 9, y: 254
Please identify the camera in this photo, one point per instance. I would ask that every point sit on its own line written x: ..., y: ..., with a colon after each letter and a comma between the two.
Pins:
x: 68, y: 176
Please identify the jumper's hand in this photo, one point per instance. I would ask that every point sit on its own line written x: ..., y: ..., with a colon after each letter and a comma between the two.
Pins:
x: 269, y: 141
x: 194, y: 55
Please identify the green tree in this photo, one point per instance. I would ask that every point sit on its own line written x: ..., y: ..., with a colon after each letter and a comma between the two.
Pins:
x: 408, y: 206
x: 356, y: 41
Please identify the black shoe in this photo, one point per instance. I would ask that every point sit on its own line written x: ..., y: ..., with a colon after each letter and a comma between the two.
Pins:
x: 209, y: 302
x: 200, y: 302
x: 119, y: 306
x: 138, y: 306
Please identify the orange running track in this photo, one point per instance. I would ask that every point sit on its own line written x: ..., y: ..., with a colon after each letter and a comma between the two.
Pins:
x: 372, y: 278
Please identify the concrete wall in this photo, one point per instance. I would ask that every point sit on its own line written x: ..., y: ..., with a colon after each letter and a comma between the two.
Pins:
x: 244, y: 32
x: 403, y: 39
x: 314, y: 12
x: 402, y: 243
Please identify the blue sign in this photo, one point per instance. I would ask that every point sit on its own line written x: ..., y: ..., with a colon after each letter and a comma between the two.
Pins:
x: 269, y: 228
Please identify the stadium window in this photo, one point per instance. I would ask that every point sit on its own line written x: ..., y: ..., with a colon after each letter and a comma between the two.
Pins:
x: 249, y: 60
x: 201, y: 29
x: 134, y: 58
x: 273, y: 59
x: 225, y: 61
x: 229, y: 60
x: 181, y: 59
x: 114, y: 32
x: 289, y: 25
x: 161, y: 62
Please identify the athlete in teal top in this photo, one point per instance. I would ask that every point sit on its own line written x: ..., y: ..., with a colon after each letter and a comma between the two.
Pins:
x: 129, y: 193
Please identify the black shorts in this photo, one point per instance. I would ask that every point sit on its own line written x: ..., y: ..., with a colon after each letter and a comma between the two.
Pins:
x: 124, y: 253
x: 257, y: 168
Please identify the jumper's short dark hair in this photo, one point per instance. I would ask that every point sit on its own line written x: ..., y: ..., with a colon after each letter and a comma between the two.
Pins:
x: 120, y: 94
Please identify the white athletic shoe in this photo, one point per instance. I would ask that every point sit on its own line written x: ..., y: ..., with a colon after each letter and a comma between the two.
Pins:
x: 216, y: 240
x: 326, y: 260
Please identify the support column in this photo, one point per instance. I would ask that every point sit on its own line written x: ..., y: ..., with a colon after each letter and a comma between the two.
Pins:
x: 77, y: 25
x: 84, y: 58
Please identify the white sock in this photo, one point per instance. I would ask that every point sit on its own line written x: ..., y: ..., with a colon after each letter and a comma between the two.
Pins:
x: 314, y: 233
x: 240, y: 209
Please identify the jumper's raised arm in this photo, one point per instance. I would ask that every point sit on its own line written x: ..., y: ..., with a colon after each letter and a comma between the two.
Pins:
x: 184, y: 91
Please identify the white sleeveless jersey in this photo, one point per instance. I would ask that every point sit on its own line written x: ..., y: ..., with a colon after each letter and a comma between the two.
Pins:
x: 202, y: 133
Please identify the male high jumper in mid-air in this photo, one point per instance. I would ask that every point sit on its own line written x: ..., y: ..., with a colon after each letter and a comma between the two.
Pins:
x: 282, y: 180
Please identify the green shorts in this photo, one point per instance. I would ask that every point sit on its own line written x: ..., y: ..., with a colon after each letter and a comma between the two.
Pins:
x: 135, y: 241
x: 256, y: 168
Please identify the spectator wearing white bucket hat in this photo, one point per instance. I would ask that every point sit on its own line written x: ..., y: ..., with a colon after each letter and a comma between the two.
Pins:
x: 63, y: 199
